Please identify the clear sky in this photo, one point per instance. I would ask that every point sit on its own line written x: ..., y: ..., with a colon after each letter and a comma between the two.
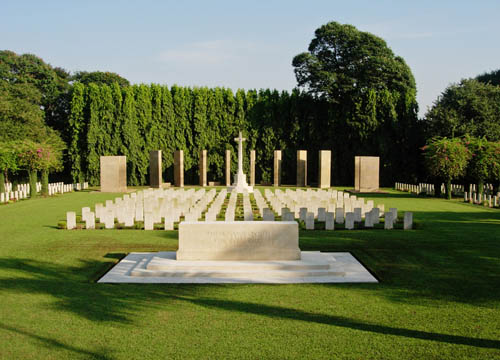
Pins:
x: 248, y: 44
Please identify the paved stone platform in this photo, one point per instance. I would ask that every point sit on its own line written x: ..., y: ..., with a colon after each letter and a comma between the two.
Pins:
x: 313, y: 267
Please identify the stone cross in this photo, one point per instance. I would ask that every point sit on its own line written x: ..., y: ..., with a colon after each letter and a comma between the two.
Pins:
x: 240, y: 140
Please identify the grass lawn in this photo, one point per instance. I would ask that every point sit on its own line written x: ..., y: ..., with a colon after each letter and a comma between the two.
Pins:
x: 438, y: 297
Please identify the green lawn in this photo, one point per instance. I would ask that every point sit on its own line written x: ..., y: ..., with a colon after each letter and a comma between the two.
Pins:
x: 438, y: 297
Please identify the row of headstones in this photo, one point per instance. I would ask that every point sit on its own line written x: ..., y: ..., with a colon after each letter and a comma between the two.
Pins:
x: 231, y: 207
x: 428, y: 189
x: 330, y: 218
x: 478, y: 198
x: 149, y: 206
x: 22, y: 190
x: 329, y: 199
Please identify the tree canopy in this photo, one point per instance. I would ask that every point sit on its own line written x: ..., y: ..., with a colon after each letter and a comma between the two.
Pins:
x: 470, y: 108
x: 99, y: 77
x: 342, y: 61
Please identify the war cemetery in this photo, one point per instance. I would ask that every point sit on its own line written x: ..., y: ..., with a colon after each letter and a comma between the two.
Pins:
x: 182, y: 222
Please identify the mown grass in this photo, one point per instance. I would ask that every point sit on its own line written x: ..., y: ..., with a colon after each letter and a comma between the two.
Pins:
x: 438, y: 296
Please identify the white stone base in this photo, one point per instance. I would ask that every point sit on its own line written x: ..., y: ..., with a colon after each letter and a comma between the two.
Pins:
x: 314, y: 267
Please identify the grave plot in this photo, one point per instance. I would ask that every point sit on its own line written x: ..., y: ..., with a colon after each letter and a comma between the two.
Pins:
x: 164, y: 209
x: 22, y: 191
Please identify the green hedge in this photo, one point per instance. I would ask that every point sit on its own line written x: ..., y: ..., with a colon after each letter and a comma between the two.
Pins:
x: 131, y: 121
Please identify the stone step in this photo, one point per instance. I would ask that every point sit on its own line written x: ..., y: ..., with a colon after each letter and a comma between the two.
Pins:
x: 343, y: 267
x: 234, y: 274
x: 173, y: 265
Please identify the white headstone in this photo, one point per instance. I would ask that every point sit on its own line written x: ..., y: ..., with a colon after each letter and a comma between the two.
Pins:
x: 408, y: 221
x: 339, y: 215
x: 90, y: 221
x: 310, y: 221
x: 70, y: 220
x: 329, y: 221
x: 389, y: 220
x: 349, y: 220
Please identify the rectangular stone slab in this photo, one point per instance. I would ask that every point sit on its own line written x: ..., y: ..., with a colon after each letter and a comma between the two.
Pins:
x: 249, y: 240
x: 113, y: 173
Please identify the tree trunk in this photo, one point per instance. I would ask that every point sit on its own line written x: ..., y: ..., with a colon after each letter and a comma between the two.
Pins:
x: 480, y: 186
x: 45, y: 182
x: 32, y: 175
x: 2, y: 182
x: 437, y: 188
x: 448, y: 189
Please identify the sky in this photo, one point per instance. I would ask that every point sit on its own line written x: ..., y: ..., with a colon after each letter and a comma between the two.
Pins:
x: 248, y: 44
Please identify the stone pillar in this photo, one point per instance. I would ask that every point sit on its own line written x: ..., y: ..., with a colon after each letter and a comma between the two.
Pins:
x: 366, y: 173
x: 228, y: 167
x: 113, y: 173
x: 277, y: 168
x: 155, y: 179
x: 301, y: 167
x: 252, y: 167
x: 179, y: 168
x: 203, y: 168
x: 324, y: 168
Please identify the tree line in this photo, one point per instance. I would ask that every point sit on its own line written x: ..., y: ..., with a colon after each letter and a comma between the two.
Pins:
x: 133, y: 120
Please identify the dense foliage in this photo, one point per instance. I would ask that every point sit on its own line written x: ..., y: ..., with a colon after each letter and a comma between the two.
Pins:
x: 372, y: 97
x: 134, y: 120
x: 468, y: 108
x: 99, y: 77
x: 447, y: 159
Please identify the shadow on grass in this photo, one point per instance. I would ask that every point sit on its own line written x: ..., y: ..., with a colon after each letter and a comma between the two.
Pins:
x: 456, y: 257
x: 294, y: 314
x: 118, y: 303
x: 57, y: 344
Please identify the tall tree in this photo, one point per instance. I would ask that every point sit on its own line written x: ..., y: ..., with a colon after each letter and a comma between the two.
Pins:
x: 76, y: 131
x: 468, y: 108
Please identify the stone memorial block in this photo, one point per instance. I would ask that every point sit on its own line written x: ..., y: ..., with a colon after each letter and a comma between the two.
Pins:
x: 113, y: 173
x: 349, y: 220
x: 329, y: 221
x: 90, y: 221
x: 310, y: 221
x: 301, y: 168
x: 70, y: 220
x: 155, y: 173
x: 228, y: 167
x: 389, y: 221
x: 408, y: 221
x: 339, y: 215
x: 277, y: 168
x: 324, y: 169
x: 179, y: 168
x: 252, y: 240
x: 366, y: 173
x: 203, y: 168
x: 252, y: 167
